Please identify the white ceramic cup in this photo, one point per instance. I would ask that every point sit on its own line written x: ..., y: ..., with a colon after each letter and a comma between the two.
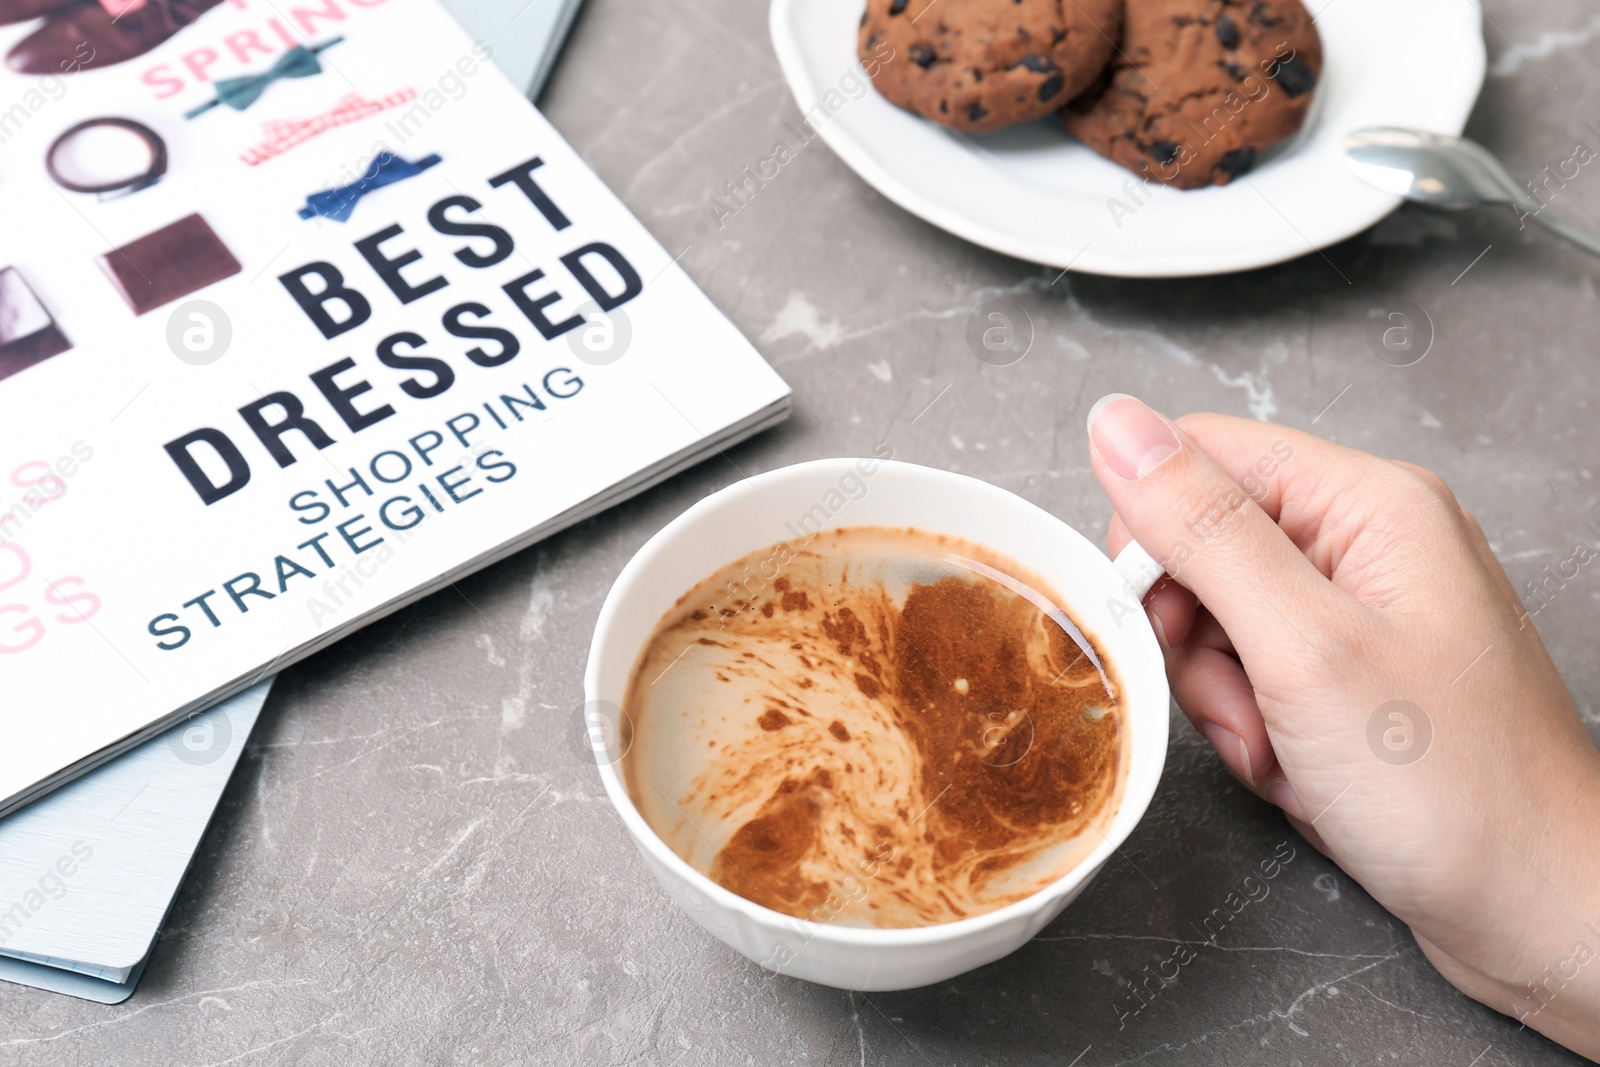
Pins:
x: 788, y: 505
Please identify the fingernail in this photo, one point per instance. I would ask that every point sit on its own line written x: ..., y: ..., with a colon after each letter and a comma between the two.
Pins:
x: 1281, y: 793
x: 1161, y: 631
x: 1230, y: 746
x: 1130, y: 439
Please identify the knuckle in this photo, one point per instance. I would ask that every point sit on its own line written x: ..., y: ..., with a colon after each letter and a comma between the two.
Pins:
x: 1208, y: 515
x: 1208, y: 510
x: 1424, y: 483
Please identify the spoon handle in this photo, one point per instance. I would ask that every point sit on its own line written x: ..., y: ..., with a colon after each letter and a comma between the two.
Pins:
x: 1586, y: 241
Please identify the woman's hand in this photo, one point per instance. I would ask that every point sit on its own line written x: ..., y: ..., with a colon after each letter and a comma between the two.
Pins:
x: 1336, y: 625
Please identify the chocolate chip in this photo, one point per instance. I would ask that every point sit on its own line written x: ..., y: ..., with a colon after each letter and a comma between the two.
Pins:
x: 1164, y: 151
x: 1052, y: 85
x: 977, y: 75
x: 977, y: 113
x: 897, y: 6
x: 872, y: 43
x: 944, y: 107
x: 1235, y: 71
x: 1227, y: 32
x: 922, y: 56
x: 1057, y: 36
x: 1036, y: 63
x: 1236, y: 162
x: 863, y: 21
x: 1295, y: 77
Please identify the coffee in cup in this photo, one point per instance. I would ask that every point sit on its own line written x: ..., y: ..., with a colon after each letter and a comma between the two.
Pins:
x: 876, y: 727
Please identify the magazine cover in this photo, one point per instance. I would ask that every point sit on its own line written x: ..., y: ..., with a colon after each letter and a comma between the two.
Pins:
x: 286, y: 340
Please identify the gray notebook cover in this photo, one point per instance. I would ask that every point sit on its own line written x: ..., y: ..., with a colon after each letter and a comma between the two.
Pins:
x: 87, y: 873
x: 526, y: 35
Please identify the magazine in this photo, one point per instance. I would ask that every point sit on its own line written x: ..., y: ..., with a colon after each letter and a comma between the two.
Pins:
x: 305, y: 312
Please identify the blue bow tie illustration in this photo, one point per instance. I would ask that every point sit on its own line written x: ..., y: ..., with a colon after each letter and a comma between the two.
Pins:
x: 240, y: 93
x: 339, y: 204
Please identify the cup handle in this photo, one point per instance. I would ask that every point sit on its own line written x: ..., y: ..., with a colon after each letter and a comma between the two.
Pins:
x: 1138, y: 568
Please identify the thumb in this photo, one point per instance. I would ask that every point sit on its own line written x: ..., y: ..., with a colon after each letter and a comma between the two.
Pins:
x: 1205, y: 531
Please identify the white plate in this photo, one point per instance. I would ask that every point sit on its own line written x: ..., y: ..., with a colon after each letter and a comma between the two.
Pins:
x: 1033, y: 192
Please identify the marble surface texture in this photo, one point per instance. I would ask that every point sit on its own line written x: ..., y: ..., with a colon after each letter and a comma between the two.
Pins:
x: 411, y: 866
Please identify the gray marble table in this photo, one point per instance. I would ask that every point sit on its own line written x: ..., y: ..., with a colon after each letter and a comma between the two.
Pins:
x: 412, y: 866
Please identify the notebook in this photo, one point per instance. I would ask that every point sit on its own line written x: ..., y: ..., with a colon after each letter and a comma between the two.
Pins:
x: 88, y: 873
x: 526, y: 34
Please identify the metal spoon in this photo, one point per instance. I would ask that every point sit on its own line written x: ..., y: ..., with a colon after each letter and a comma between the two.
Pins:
x: 1448, y: 172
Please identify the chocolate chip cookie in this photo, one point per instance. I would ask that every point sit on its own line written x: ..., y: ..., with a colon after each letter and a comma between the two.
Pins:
x: 1200, y: 87
x: 978, y: 65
